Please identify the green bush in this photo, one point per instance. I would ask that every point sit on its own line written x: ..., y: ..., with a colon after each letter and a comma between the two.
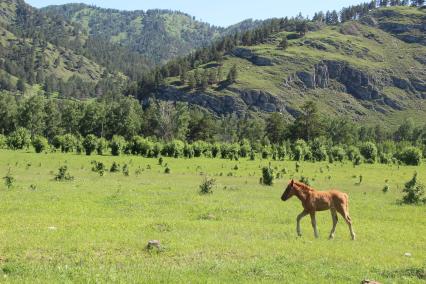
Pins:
x: 63, y: 174
x: 8, y: 180
x: 57, y: 141
x: 40, y: 144
x: 414, y: 192
x: 267, y: 176
x: 115, y: 168
x: 118, y: 143
x: 68, y: 143
x: 319, y: 150
x: 98, y: 167
x: 102, y: 146
x: 410, y: 156
x: 174, y: 149
x: 141, y: 146
x: 3, y: 141
x: 206, y: 187
x: 338, y: 153
x: 90, y: 144
x: 19, y: 139
x: 369, y: 152
x: 245, y: 148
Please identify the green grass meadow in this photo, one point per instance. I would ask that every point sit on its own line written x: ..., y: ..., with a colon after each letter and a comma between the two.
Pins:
x: 96, y: 228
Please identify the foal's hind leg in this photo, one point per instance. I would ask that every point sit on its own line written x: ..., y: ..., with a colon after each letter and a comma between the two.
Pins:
x: 347, y: 218
x: 334, y: 218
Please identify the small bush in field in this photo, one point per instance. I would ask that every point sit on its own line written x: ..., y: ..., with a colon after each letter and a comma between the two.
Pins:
x: 206, y: 187
x: 126, y: 171
x: 115, y: 167
x: 305, y: 180
x: 9, y: 180
x: 63, y: 174
x: 386, y: 189
x: 267, y: 176
x: 414, y: 192
x: 167, y: 170
x: 160, y: 161
x: 98, y: 167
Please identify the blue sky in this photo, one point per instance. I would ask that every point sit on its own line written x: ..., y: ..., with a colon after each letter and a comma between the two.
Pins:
x: 218, y: 12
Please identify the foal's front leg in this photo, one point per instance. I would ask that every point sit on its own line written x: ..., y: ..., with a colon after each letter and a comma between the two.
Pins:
x: 299, y: 217
x: 314, y: 224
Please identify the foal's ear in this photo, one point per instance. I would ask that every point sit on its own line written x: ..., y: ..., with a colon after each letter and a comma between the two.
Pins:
x: 292, y: 182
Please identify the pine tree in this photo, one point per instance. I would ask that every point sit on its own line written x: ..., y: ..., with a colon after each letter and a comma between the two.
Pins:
x: 192, y: 83
x: 232, y: 75
x: 284, y: 43
x: 20, y: 85
x: 205, y: 80
x: 183, y: 76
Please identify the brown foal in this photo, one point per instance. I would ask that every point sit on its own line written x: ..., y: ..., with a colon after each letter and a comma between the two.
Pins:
x: 313, y: 201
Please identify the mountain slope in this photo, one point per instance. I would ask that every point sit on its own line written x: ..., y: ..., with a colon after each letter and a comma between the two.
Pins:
x: 41, y: 50
x: 158, y: 34
x: 365, y: 69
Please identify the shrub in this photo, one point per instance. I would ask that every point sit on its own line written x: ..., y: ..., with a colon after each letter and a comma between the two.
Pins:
x: 188, y: 151
x: 63, y: 174
x: 90, y: 143
x: 126, y: 171
x: 305, y: 180
x: 338, y: 153
x: 3, y: 141
x: 245, y: 148
x: 141, y: 146
x: 206, y: 187
x: 174, y: 149
x: 117, y: 145
x: 19, y: 139
x: 68, y: 143
x: 411, y: 156
x: 115, y: 168
x: 414, y: 192
x: 385, y: 188
x: 57, y: 141
x: 79, y: 144
x: 267, y: 176
x: 353, y: 153
x: 9, y: 180
x: 40, y: 144
x: 319, y: 151
x: 102, y: 146
x: 282, y: 152
x: 98, y: 167
x: 167, y: 170
x: 369, y: 152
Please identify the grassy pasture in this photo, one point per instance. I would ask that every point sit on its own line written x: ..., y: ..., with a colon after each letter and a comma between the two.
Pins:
x: 95, y: 229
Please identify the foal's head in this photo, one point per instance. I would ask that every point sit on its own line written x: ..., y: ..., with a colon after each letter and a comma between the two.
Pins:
x: 289, y: 191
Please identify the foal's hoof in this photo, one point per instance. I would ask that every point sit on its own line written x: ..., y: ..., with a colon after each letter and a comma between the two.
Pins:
x: 331, y: 238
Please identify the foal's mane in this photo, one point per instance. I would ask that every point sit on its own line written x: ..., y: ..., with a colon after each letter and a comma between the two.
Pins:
x: 303, y: 186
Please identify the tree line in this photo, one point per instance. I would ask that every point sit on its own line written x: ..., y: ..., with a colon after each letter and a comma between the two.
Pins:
x: 166, y: 121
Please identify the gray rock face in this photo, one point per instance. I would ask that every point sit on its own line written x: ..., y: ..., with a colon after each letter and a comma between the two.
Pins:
x: 358, y: 83
x: 252, y: 57
x: 240, y: 103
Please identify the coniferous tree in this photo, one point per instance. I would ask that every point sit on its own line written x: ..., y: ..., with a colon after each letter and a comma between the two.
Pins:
x: 20, y: 85
x: 233, y: 74
x: 284, y: 43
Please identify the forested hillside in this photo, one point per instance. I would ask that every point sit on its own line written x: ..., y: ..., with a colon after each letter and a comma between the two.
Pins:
x: 367, y: 64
